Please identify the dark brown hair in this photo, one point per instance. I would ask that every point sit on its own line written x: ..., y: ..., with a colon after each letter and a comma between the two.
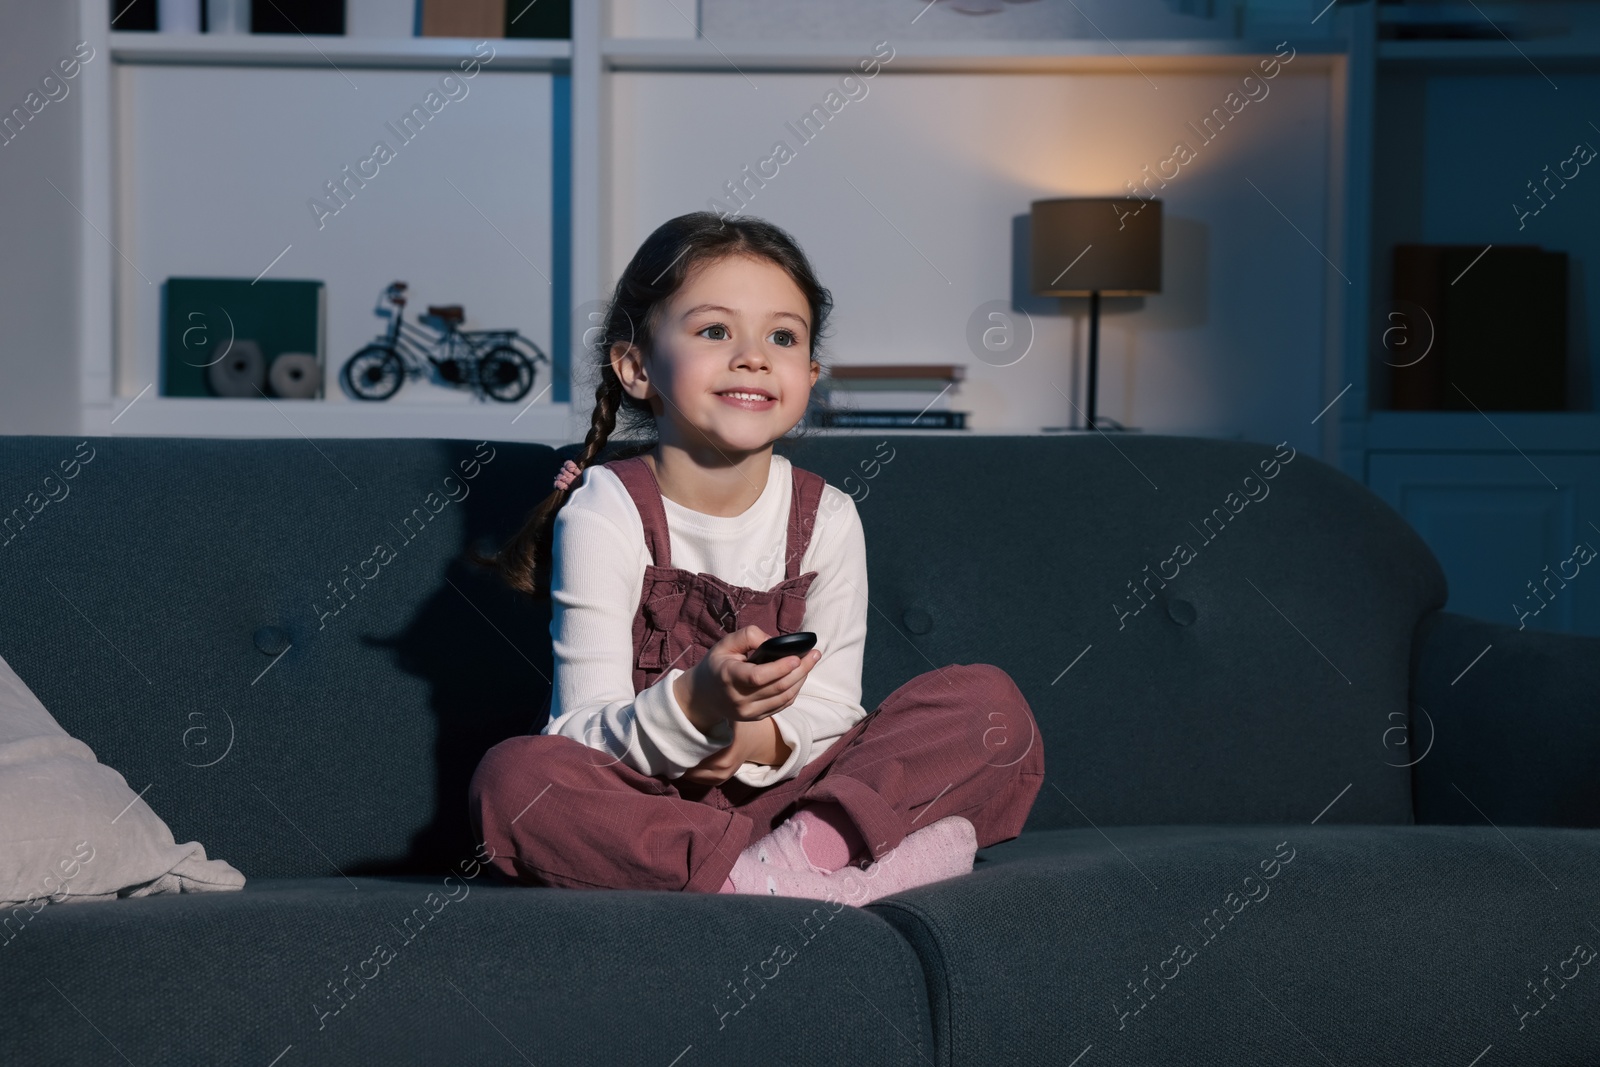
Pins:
x: 662, y: 264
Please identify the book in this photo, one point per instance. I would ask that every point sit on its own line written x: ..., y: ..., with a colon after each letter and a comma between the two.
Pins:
x: 299, y: 17
x: 916, y: 400
x: 464, y: 18
x: 134, y: 15
x: 202, y: 316
x: 547, y: 19
x: 909, y: 420
x: 940, y: 372
x: 1493, y: 325
x: 930, y: 386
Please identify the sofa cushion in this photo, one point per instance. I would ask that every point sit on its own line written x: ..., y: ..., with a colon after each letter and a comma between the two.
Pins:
x: 414, y: 970
x: 1265, y: 944
x: 71, y: 830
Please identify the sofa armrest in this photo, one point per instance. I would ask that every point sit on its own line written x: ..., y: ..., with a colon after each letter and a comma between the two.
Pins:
x: 1515, y: 735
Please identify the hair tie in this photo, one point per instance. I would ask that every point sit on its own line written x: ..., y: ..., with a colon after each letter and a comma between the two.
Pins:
x: 567, y: 475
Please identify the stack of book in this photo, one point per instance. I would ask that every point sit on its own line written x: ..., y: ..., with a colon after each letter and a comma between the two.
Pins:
x: 898, y: 395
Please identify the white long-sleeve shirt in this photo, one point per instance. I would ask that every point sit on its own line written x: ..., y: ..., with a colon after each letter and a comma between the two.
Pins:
x: 598, y: 563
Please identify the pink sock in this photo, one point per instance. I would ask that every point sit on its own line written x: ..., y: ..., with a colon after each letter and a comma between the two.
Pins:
x: 942, y: 850
x: 831, y: 840
x: 777, y: 866
x: 819, y: 837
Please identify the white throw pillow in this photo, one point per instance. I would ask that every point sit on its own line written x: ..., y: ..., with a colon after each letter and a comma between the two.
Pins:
x: 71, y: 829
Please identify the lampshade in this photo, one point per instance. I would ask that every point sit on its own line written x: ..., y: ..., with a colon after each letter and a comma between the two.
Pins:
x: 1122, y: 236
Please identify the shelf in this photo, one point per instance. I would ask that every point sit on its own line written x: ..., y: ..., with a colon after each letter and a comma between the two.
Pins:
x: 1519, y: 16
x: 205, y: 417
x: 1493, y: 55
x: 1468, y: 431
x: 550, y: 424
x: 275, y: 50
x: 1195, y: 55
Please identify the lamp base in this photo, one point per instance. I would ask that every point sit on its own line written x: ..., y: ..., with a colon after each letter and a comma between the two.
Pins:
x: 1105, y: 426
x: 1105, y: 422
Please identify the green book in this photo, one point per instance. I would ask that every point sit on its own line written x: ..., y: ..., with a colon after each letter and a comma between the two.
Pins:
x: 202, y: 317
x: 549, y: 19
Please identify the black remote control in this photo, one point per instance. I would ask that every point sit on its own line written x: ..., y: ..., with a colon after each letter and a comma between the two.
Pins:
x: 795, y: 644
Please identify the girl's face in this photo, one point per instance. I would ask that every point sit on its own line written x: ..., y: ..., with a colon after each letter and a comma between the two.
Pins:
x: 731, y: 363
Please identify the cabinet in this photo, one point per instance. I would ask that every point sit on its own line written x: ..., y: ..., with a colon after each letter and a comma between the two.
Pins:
x: 1504, y: 527
x: 1446, y: 137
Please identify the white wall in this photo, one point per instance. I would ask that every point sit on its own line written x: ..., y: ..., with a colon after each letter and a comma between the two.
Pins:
x: 906, y: 201
x: 38, y: 227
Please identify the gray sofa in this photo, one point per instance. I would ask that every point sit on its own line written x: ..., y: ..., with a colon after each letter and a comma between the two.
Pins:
x: 1291, y: 814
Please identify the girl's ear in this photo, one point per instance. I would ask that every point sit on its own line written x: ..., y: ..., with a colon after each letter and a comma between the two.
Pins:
x: 627, y: 360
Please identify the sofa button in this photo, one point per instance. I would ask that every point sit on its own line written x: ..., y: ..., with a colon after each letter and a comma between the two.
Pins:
x: 271, y: 640
x: 1181, y: 612
x: 917, y: 620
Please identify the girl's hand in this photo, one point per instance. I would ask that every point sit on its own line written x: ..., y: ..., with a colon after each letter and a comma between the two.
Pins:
x: 724, y: 686
x: 753, y: 742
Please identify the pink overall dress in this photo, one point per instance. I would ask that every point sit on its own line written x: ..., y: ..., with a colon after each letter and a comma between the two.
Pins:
x: 958, y: 740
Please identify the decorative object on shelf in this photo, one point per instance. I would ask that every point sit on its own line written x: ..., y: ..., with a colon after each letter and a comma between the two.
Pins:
x: 135, y: 15
x: 225, y: 16
x: 464, y: 18
x: 380, y: 18
x: 179, y: 16
x: 547, y: 19
x: 898, y: 395
x: 979, y: 7
x: 1454, y: 22
x: 296, y: 376
x: 239, y: 370
x: 486, y: 361
x: 298, y: 16
x: 225, y: 337
x: 1094, y: 247
x: 1494, y: 319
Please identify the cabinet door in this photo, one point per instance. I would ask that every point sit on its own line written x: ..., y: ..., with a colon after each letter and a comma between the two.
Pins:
x: 1504, y: 536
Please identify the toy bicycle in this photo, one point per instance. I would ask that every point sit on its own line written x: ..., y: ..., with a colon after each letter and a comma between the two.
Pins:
x: 486, y: 361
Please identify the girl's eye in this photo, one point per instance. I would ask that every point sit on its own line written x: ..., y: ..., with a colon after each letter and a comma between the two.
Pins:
x: 716, y: 326
x: 786, y: 338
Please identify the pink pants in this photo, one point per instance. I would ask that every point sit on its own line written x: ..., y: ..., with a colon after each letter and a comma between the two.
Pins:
x: 960, y: 740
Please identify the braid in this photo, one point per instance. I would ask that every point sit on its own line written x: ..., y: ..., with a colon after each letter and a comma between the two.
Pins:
x: 607, y: 398
x: 524, y: 562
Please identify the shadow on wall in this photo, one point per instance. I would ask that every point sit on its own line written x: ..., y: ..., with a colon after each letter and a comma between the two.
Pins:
x: 481, y: 690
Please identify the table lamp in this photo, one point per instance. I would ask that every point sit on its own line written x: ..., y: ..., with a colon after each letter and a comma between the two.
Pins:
x: 1096, y: 246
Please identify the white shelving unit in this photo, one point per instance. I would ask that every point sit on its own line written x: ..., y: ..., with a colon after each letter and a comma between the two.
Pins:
x: 593, y: 60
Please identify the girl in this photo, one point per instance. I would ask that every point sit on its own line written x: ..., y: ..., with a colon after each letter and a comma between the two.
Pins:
x: 669, y: 761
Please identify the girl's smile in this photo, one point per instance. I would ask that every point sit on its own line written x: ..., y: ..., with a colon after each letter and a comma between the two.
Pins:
x: 749, y: 400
